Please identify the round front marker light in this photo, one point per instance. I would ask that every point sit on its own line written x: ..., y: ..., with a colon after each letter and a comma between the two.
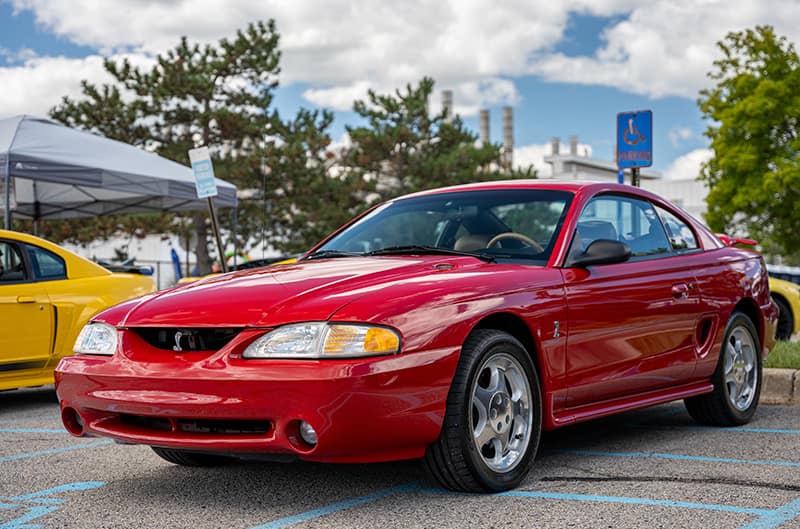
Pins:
x: 308, y: 433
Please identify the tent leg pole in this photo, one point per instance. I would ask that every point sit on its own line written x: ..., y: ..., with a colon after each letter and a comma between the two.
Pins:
x: 235, y: 242
x: 7, y: 205
x: 215, y: 227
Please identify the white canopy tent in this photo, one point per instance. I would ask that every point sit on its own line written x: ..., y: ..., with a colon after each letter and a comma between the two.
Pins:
x: 60, y: 172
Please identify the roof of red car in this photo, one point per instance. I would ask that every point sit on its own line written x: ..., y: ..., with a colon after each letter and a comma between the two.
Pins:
x: 559, y: 185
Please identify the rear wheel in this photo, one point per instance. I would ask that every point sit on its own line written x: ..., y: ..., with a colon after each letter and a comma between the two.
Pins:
x: 190, y: 459
x: 492, y: 424
x: 737, y: 379
x: 785, y: 319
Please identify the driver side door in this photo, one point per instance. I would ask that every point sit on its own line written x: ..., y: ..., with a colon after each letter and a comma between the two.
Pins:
x: 26, y: 318
x: 631, y: 324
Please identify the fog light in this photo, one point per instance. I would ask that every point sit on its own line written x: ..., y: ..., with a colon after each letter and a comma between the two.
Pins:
x: 308, y: 433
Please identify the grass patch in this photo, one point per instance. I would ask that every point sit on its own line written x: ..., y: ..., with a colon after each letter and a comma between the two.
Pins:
x: 784, y: 354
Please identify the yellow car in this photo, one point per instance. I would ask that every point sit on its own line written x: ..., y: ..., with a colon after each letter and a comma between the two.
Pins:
x: 47, y: 294
x: 787, y: 296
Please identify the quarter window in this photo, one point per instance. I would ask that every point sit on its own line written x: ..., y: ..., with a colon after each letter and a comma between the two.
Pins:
x: 46, y: 265
x: 681, y: 236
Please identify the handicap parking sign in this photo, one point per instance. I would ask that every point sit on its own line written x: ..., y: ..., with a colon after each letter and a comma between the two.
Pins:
x: 635, y: 139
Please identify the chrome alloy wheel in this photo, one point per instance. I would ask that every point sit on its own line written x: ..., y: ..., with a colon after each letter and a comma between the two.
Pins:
x: 501, y: 413
x: 741, y: 375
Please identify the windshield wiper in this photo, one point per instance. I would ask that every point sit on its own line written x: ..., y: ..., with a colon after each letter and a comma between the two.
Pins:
x: 330, y: 254
x: 431, y: 250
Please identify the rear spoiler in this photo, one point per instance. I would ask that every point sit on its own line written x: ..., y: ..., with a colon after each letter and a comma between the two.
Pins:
x: 727, y: 240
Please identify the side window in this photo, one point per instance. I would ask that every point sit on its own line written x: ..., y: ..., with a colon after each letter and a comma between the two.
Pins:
x: 46, y: 265
x: 623, y: 219
x: 681, y: 236
x: 12, y: 268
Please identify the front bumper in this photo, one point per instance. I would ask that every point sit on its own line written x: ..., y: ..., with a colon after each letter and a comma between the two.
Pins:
x: 363, y: 410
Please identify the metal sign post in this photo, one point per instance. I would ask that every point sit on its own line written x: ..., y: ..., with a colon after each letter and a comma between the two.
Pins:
x: 7, y: 194
x: 207, y: 188
x: 634, y: 142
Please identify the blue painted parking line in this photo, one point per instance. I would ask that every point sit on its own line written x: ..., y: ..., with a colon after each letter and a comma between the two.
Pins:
x: 334, y: 507
x: 37, y: 510
x: 32, y: 514
x: 716, y: 428
x: 775, y: 517
x: 79, y: 486
x: 681, y: 457
x: 53, y: 451
x: 32, y: 430
x: 766, y: 518
x: 617, y: 499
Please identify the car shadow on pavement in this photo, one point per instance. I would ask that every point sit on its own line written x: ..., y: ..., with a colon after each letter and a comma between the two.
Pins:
x: 20, y: 400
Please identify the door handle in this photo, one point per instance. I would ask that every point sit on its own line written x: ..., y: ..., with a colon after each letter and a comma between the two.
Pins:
x: 680, y: 291
x: 26, y: 299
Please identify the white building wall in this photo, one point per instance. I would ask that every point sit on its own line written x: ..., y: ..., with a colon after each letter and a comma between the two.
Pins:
x: 689, y: 195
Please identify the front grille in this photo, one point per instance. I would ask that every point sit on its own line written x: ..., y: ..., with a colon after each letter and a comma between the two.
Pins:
x: 198, y: 426
x: 187, y: 339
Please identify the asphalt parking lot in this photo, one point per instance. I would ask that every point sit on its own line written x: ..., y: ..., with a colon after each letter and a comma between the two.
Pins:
x: 651, y: 468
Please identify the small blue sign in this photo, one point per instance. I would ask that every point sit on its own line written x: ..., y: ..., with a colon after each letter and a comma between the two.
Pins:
x: 203, y: 172
x: 635, y: 139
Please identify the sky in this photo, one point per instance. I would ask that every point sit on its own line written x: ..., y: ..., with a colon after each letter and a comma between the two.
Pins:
x: 567, y: 67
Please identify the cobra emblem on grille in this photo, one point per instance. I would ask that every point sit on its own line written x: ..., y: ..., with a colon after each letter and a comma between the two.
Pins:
x: 177, y: 346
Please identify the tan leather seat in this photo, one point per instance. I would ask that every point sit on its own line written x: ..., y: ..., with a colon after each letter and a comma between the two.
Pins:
x: 470, y: 243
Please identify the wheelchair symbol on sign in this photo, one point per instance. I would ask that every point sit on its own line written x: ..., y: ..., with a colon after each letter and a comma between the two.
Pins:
x: 39, y: 504
x: 632, y: 136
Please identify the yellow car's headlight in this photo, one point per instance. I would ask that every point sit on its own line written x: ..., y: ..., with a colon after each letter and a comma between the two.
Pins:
x: 324, y: 340
x: 96, y: 339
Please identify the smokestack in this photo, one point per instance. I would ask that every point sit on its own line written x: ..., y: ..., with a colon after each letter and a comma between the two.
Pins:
x: 573, y: 145
x: 508, y: 137
x: 555, y: 146
x: 484, y: 127
x: 447, y: 105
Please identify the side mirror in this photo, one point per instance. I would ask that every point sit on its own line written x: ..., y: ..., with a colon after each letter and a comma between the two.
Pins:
x: 602, y: 251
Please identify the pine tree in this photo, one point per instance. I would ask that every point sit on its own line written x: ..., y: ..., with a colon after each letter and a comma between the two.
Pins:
x: 406, y: 149
x: 214, y: 95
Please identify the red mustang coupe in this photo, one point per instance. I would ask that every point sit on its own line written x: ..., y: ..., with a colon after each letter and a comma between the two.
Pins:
x: 452, y: 325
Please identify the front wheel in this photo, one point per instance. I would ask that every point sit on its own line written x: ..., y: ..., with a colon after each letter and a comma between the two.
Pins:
x: 737, y: 379
x: 493, y: 419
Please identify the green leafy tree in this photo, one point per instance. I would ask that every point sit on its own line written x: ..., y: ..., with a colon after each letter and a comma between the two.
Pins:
x: 309, y: 193
x: 405, y: 149
x: 754, y: 111
x: 214, y: 95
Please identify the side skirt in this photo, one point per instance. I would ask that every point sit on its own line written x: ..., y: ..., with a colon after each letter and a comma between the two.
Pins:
x: 641, y: 400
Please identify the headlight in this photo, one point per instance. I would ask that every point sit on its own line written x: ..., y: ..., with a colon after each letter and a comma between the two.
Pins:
x: 96, y: 339
x: 324, y: 340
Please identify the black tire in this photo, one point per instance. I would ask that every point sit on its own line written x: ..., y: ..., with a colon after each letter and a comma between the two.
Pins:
x: 785, y: 319
x: 455, y: 459
x: 717, y: 408
x: 190, y: 459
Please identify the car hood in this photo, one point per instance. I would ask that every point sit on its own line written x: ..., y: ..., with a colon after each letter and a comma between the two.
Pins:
x: 266, y: 297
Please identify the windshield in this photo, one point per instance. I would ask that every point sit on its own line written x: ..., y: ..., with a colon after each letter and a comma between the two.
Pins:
x: 516, y: 224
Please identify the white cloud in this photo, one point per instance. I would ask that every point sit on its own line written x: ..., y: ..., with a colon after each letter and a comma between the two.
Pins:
x: 475, y: 47
x: 678, y: 135
x: 688, y: 166
x: 338, y: 97
x: 665, y: 48
x: 17, y: 56
x: 38, y: 84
